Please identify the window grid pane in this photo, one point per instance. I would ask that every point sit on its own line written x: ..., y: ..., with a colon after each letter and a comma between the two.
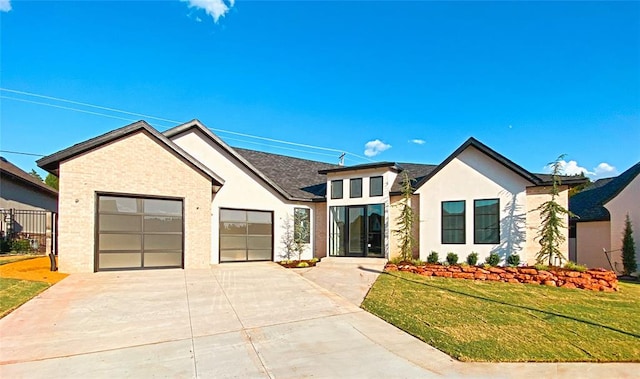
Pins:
x: 336, y: 189
x: 375, y: 186
x: 355, y: 188
x: 453, y: 222
x: 486, y: 221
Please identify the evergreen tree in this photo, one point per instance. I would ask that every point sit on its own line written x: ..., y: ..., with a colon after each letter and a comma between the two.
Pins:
x: 405, y: 220
x: 553, y: 214
x: 628, y: 248
x: 35, y: 175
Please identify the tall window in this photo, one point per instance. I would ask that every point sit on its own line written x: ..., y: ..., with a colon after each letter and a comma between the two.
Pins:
x: 453, y: 230
x: 302, y: 224
x: 375, y: 186
x: 355, y: 187
x: 486, y: 221
x: 336, y: 189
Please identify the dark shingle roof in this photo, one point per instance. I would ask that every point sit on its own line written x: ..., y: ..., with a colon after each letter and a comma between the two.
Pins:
x: 588, y: 205
x: 547, y: 179
x: 9, y: 169
x: 298, y: 177
x: 416, y: 173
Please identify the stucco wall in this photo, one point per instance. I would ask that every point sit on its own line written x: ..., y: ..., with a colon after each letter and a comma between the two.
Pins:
x: 626, y: 202
x: 242, y: 190
x: 535, y: 197
x: 133, y: 165
x: 388, y: 179
x: 14, y: 194
x: 470, y: 176
x: 591, y: 238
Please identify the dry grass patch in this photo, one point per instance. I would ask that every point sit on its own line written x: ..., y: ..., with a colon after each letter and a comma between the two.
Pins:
x: 35, y: 269
x: 23, y: 279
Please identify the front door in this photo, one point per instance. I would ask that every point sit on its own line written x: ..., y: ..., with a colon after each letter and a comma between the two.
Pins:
x: 357, y: 231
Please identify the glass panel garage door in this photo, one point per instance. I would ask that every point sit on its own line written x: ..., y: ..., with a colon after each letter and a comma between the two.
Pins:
x: 139, y: 233
x: 246, y: 235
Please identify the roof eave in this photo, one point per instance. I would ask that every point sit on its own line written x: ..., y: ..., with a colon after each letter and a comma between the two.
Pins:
x: 51, y: 163
x: 472, y: 142
x: 196, y: 124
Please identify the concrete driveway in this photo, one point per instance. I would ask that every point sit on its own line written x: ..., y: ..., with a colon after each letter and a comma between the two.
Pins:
x: 233, y: 320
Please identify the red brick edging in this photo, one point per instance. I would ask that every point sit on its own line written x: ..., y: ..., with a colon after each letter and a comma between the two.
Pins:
x: 594, y: 279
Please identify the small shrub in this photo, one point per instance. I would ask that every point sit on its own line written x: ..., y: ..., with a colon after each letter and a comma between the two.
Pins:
x: 433, y: 257
x: 303, y: 264
x: 541, y: 267
x: 5, y: 246
x: 493, y: 260
x: 417, y: 262
x: 396, y: 260
x: 21, y: 246
x: 472, y: 259
x: 513, y: 260
x: 452, y: 258
x: 575, y: 267
x: 486, y: 266
x: 314, y: 260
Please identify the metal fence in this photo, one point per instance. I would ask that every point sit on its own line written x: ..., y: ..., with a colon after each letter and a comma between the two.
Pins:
x: 29, y: 230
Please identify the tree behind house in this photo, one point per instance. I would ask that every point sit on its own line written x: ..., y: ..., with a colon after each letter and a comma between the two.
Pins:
x: 405, y: 220
x: 552, y: 214
x: 35, y: 174
x: 628, y: 248
x: 52, y: 181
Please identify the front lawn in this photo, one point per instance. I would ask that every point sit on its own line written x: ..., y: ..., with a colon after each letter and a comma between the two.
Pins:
x: 15, y: 292
x: 22, y: 280
x: 494, y: 321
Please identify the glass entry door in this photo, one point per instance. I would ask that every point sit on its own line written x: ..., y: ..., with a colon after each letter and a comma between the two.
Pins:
x: 357, y: 231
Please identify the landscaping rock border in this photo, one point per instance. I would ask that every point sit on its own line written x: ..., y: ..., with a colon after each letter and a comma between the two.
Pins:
x: 594, y: 279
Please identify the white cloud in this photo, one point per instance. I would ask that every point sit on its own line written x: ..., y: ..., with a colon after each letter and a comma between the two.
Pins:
x: 418, y: 141
x: 5, y: 5
x: 375, y: 147
x: 605, y: 169
x: 214, y: 8
x: 602, y: 170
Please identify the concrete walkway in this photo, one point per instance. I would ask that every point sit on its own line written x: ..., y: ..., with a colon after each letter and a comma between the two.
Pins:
x: 254, y: 320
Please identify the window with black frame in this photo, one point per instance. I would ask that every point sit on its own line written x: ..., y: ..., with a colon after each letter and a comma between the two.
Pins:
x: 453, y: 222
x: 486, y: 221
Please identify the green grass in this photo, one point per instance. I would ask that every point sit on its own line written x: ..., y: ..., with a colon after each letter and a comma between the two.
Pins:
x: 15, y: 292
x: 492, y: 321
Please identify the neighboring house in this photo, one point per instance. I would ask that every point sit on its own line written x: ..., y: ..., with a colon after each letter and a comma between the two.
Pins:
x: 601, y: 210
x: 137, y: 198
x: 20, y: 190
x: 27, y: 207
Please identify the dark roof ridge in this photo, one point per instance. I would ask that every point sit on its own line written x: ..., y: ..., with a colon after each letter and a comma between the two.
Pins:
x: 588, y: 205
x: 51, y: 162
x: 196, y: 124
x: 489, y: 152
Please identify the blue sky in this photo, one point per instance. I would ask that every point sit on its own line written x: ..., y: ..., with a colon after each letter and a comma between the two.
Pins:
x: 531, y: 80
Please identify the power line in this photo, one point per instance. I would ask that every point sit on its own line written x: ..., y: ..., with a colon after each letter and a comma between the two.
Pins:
x: 21, y: 153
x: 87, y: 105
x: 67, y: 108
x: 157, y: 118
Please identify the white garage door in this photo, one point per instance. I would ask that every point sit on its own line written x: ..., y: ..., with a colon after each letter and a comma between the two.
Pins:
x: 246, y: 235
x: 139, y: 233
